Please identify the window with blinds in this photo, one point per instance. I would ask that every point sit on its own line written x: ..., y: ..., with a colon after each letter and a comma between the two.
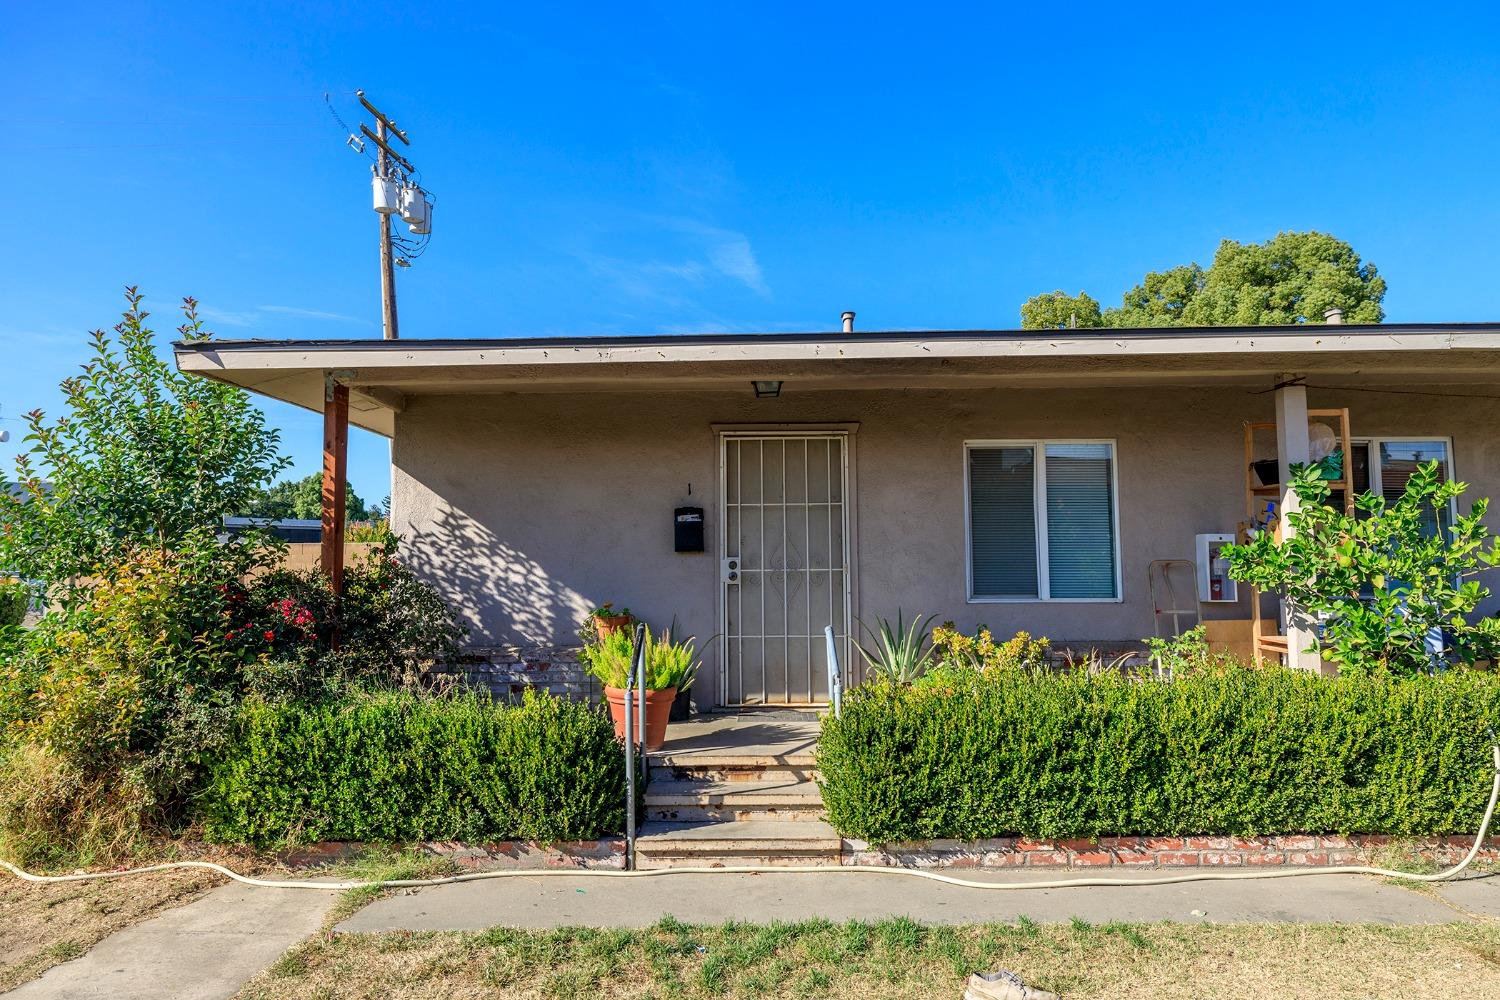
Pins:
x: 1042, y: 521
x: 1385, y: 464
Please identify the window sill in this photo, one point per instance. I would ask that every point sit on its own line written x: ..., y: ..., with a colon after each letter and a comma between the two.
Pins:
x: 1045, y: 600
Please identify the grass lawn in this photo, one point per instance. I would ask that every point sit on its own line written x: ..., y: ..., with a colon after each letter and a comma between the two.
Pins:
x: 897, y: 959
x: 47, y: 924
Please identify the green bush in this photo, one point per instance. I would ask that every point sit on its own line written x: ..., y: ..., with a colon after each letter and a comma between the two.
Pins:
x: 15, y: 599
x: 400, y: 766
x: 1230, y: 751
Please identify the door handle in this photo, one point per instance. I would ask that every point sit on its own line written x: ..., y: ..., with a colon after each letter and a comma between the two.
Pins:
x: 729, y: 570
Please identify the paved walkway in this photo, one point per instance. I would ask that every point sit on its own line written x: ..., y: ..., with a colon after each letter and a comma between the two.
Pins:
x: 557, y: 902
x: 210, y: 948
x: 205, y: 950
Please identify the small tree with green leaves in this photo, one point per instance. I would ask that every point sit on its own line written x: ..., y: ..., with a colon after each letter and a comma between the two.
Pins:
x: 1060, y: 311
x: 303, y: 498
x: 145, y: 455
x: 1399, y: 597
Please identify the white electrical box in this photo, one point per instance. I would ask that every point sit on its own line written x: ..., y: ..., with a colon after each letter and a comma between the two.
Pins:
x: 1214, y: 584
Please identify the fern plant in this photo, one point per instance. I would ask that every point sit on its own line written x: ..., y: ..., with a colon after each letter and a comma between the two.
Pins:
x: 669, y: 664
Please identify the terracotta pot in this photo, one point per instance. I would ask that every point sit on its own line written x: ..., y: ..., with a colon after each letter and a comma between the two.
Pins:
x: 606, y: 627
x: 658, y: 708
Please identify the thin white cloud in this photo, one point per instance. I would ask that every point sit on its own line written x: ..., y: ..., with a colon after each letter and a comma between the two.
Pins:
x: 732, y: 255
x: 255, y: 316
x: 311, y: 314
x: 702, y: 253
x: 225, y: 317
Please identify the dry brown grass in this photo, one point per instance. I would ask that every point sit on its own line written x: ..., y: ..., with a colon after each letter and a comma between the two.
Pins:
x: 48, y: 924
x: 44, y: 925
x: 897, y: 960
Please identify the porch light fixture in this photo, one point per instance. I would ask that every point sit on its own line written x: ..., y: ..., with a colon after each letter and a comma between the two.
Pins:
x: 766, y: 388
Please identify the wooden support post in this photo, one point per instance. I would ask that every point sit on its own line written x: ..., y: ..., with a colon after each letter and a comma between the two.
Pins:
x: 335, y: 480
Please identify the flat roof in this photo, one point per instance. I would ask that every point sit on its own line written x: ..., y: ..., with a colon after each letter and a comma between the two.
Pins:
x: 1184, y: 333
x: 382, y: 373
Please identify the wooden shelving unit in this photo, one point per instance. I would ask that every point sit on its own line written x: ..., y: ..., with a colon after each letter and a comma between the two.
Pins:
x: 1268, y: 642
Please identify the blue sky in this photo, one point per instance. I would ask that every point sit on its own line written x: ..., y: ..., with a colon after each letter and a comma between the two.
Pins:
x: 702, y: 167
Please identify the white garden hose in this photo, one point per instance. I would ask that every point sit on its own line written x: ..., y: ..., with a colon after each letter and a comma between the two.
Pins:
x: 1065, y: 883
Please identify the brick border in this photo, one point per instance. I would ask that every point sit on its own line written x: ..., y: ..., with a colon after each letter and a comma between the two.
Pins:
x: 1301, y: 850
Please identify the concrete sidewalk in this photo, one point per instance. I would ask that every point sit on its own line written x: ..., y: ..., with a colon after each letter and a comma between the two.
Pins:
x: 205, y: 950
x: 599, y: 902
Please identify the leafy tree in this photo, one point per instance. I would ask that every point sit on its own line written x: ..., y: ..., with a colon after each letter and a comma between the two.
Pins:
x: 145, y: 455
x: 1399, y: 597
x: 303, y: 498
x: 1161, y: 299
x: 1060, y: 311
x: 1291, y: 278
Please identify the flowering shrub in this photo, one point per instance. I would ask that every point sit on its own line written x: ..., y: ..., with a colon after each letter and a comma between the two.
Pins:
x: 132, y: 678
x: 390, y: 625
x: 141, y: 679
x: 982, y: 652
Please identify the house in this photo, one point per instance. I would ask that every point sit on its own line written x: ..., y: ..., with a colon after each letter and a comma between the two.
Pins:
x: 288, y: 529
x: 1020, y: 479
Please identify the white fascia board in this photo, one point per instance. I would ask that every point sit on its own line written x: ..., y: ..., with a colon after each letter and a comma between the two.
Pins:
x: 208, y: 357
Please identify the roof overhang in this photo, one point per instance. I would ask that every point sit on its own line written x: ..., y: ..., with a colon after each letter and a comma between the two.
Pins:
x: 382, y: 374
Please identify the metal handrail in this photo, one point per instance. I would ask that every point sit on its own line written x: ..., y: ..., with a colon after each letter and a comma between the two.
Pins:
x: 635, y: 727
x: 835, y: 675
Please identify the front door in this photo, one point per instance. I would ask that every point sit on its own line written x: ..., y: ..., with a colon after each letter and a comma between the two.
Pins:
x: 784, y: 548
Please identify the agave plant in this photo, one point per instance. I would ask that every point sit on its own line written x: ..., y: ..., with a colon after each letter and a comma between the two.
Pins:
x: 900, y: 654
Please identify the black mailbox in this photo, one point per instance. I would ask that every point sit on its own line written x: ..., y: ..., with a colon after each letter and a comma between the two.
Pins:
x: 687, y: 529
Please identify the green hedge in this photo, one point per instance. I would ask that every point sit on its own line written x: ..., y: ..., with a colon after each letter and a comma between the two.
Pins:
x: 15, y: 599
x: 398, y: 767
x: 1238, y: 752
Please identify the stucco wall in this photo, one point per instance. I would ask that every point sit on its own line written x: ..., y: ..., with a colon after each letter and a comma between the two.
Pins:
x: 529, y: 509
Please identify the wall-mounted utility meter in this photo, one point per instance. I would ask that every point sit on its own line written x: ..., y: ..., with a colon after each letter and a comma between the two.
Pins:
x: 1214, y: 584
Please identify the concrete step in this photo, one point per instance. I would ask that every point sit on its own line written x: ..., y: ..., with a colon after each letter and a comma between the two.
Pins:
x: 771, y: 799
x: 739, y: 748
x: 740, y: 842
x: 732, y: 772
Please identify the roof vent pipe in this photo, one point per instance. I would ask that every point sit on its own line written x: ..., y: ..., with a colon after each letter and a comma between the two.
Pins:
x: 848, y: 318
x: 1334, y: 316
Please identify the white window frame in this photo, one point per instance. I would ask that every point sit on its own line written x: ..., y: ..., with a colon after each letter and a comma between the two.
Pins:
x: 1373, y: 443
x: 1039, y: 509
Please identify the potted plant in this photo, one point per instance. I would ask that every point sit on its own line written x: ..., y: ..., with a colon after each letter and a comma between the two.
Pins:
x: 670, y: 667
x: 607, y: 621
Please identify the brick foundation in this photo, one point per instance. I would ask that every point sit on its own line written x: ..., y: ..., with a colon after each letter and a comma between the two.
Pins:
x: 1161, y: 852
x: 508, y: 672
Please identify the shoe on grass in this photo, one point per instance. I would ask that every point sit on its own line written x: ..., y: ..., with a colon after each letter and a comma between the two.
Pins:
x: 1002, y: 985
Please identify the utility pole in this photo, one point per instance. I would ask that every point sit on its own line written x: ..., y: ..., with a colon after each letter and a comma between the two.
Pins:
x: 394, y: 193
x: 387, y: 258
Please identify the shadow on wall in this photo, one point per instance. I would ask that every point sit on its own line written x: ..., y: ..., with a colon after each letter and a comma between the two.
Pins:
x: 504, y: 596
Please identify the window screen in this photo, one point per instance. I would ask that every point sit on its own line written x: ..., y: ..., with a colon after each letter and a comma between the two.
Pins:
x: 1080, y: 520
x: 1074, y: 484
x: 1002, y: 521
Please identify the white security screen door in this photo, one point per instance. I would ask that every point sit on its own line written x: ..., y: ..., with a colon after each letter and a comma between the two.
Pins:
x: 784, y: 544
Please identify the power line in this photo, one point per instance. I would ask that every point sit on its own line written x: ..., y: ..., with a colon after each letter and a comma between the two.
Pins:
x: 397, y: 192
